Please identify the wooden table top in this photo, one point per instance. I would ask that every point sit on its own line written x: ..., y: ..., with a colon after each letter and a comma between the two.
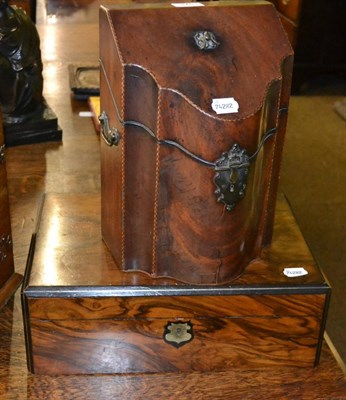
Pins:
x: 74, y: 167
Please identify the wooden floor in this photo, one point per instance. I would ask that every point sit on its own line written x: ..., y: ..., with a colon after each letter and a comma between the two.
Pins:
x: 73, y: 166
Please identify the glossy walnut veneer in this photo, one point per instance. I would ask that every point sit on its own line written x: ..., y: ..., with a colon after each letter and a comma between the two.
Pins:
x: 83, y: 314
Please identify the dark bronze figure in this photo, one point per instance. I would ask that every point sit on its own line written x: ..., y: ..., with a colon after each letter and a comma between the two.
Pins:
x: 21, y: 81
x: 26, y: 116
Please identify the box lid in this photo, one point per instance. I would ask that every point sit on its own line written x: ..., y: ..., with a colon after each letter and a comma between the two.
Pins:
x: 249, y: 47
x: 69, y: 259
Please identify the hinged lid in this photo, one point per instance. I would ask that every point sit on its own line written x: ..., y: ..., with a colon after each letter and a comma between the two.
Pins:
x: 249, y: 45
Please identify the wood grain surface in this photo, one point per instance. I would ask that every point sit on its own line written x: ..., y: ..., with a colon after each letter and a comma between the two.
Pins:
x: 73, y: 328
x: 75, y: 218
x: 326, y: 381
x: 269, y: 306
x: 159, y: 210
x: 137, y: 345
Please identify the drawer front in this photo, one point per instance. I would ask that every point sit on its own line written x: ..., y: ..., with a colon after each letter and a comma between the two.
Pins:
x: 128, y: 346
x: 55, y: 309
x: 172, y: 333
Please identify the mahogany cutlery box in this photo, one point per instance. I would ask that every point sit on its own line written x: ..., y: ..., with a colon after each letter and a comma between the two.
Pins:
x: 193, y: 112
x: 84, y: 315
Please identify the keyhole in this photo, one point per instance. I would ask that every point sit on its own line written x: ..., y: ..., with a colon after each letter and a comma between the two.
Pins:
x: 233, y: 179
x: 234, y: 176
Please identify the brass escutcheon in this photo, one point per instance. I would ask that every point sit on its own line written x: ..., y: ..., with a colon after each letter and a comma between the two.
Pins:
x: 178, y: 333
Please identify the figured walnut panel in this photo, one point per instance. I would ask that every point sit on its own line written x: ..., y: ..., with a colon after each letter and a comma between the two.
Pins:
x: 176, y: 307
x: 113, y: 346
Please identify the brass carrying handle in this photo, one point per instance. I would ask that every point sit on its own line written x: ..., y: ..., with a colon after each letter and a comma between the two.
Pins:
x: 109, y: 134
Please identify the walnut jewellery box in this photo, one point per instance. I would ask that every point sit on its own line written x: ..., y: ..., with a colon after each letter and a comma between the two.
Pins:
x: 195, y: 271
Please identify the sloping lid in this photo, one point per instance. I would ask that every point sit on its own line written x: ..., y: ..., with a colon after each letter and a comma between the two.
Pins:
x: 160, y: 39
